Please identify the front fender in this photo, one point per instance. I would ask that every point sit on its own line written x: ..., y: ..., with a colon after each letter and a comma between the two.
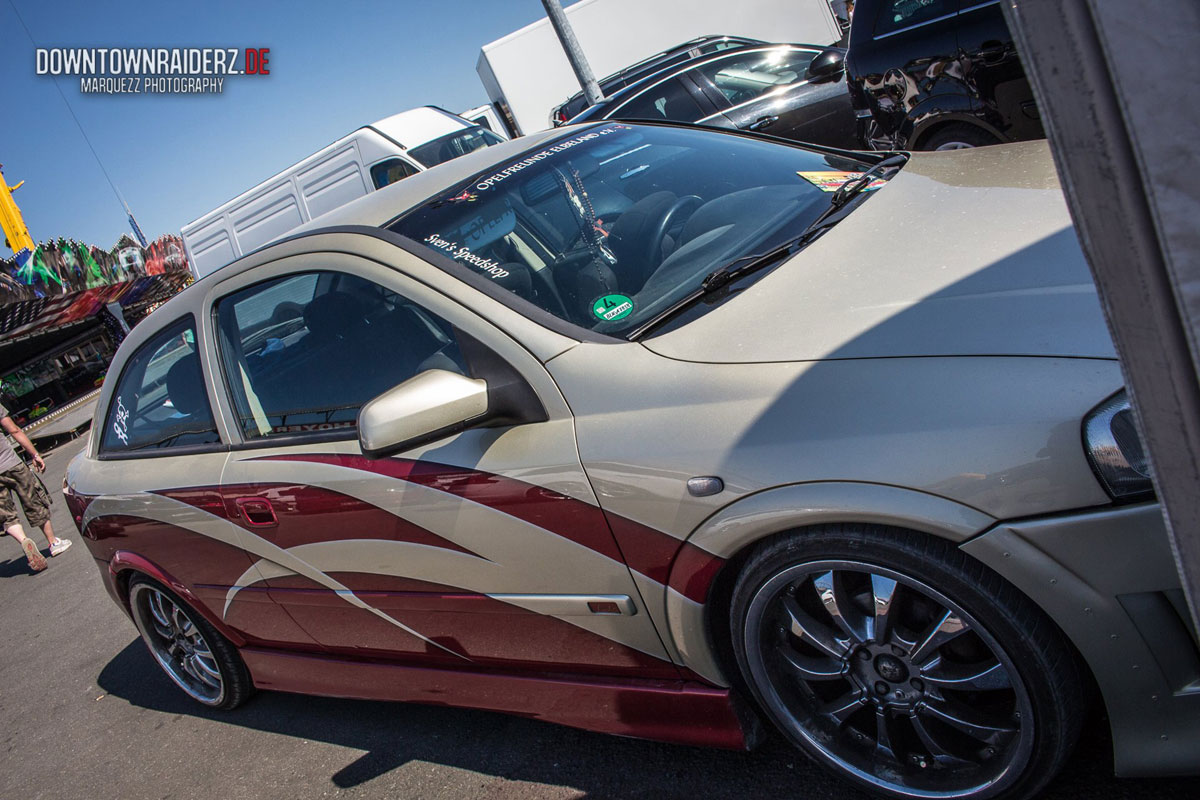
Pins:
x: 753, y: 518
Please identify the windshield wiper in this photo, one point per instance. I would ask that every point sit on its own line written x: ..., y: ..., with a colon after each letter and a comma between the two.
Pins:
x: 844, y: 194
x: 726, y: 274
x: 856, y: 184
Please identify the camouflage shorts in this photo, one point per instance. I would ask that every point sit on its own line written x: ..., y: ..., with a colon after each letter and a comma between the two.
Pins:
x: 29, y: 490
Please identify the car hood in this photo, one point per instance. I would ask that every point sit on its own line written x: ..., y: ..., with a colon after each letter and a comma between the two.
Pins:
x: 964, y: 253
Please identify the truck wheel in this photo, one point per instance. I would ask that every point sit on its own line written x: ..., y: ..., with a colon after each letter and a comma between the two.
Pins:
x: 905, y: 666
x: 194, y: 655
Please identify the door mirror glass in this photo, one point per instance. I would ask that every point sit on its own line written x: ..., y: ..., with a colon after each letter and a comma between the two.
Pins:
x: 429, y: 406
x: 828, y: 65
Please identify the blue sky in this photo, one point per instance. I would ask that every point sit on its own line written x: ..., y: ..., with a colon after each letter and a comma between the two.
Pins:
x: 334, y: 66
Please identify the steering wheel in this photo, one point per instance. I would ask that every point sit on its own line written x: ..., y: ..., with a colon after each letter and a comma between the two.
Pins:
x: 684, y: 207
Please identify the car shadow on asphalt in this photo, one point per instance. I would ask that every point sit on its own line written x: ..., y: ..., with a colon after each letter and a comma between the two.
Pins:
x: 391, y: 735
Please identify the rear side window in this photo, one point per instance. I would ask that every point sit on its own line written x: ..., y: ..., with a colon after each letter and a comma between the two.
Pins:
x: 303, y: 353
x: 897, y: 14
x: 746, y: 76
x: 669, y: 100
x: 161, y: 401
x: 388, y: 172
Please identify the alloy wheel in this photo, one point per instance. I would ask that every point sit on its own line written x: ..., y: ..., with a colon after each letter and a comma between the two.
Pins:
x: 177, y: 644
x: 886, y: 678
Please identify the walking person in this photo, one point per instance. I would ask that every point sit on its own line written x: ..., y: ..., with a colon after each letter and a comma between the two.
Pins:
x: 17, y: 478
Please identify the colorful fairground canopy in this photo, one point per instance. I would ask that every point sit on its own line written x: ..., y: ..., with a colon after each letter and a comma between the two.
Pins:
x: 65, y: 282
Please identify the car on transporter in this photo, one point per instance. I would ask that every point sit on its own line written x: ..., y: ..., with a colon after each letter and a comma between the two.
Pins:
x: 665, y: 432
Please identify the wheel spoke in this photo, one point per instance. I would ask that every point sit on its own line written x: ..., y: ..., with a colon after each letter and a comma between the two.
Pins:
x: 811, y: 669
x: 971, y: 722
x: 154, y: 603
x: 178, y: 619
x: 841, y: 708
x: 936, y: 749
x: 194, y: 668
x: 883, y: 735
x: 833, y: 595
x: 807, y: 629
x: 883, y: 595
x: 979, y: 677
x: 204, y: 667
x: 947, y: 627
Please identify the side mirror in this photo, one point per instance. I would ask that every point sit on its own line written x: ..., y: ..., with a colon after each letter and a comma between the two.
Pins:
x: 425, y: 408
x: 828, y: 65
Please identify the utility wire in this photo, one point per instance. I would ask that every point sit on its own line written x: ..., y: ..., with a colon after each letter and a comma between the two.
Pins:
x: 71, y: 111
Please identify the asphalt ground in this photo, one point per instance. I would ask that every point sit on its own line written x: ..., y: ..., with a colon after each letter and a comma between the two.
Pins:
x: 85, y: 713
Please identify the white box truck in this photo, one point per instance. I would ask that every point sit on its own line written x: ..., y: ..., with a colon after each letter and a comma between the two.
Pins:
x: 367, y: 159
x: 526, y: 74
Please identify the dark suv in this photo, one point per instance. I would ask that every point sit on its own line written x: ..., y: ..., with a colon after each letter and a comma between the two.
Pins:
x: 678, y: 54
x: 937, y: 75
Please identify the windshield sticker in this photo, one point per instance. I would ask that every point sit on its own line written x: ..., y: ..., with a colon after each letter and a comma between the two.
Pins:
x: 465, y: 255
x: 832, y: 181
x: 612, y: 307
x: 512, y: 169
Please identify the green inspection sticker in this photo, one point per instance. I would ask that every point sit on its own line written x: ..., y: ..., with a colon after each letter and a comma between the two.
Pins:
x: 612, y: 307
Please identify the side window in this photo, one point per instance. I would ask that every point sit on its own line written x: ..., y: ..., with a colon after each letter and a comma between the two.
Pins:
x: 304, y: 352
x: 897, y: 14
x: 667, y: 100
x: 160, y: 400
x: 388, y: 172
x: 744, y: 77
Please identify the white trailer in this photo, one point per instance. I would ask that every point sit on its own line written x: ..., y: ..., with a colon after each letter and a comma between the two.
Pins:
x: 370, y: 158
x: 526, y: 73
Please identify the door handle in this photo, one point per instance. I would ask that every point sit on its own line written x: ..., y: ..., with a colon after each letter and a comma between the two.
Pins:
x: 992, y: 52
x: 257, y: 511
x: 762, y: 122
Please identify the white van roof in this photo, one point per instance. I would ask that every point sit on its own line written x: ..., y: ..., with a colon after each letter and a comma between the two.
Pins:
x: 417, y: 126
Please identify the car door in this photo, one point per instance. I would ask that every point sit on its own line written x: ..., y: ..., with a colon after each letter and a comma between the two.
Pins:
x: 1001, y: 93
x: 768, y: 90
x: 156, y: 481
x: 668, y: 99
x: 486, y: 548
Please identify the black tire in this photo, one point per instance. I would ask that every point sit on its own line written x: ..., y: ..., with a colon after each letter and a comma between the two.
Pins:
x: 958, y: 136
x: 960, y: 688
x: 193, y: 654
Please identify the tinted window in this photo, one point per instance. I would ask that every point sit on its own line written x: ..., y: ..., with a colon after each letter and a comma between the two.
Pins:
x: 668, y: 100
x: 453, y: 145
x: 303, y: 352
x: 896, y: 14
x: 746, y: 76
x: 609, y: 225
x: 161, y: 400
x: 390, y: 171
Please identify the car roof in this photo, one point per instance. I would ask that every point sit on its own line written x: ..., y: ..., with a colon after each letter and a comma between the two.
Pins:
x: 596, y: 112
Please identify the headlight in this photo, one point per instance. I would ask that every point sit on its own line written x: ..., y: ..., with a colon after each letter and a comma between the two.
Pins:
x: 1116, y: 450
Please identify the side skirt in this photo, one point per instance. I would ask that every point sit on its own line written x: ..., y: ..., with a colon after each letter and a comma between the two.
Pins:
x: 682, y: 712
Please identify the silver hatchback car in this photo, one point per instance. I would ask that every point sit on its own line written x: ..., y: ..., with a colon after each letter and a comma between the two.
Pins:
x: 663, y: 432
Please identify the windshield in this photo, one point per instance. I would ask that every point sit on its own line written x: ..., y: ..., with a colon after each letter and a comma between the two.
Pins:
x: 453, y: 145
x: 609, y: 226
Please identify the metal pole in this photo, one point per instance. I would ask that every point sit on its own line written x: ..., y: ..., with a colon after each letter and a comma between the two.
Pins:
x: 579, y: 63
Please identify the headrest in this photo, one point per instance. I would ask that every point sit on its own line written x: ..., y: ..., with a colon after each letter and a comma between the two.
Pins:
x: 185, y: 385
